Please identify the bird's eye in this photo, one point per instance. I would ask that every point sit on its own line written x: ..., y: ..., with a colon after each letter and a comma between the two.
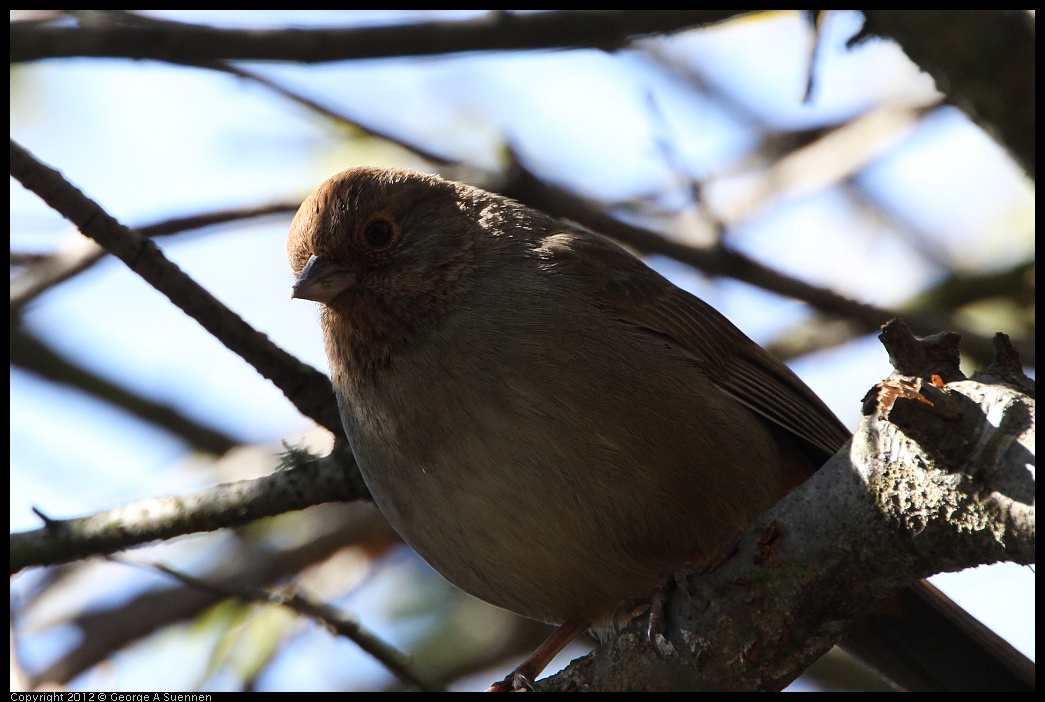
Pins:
x: 378, y: 233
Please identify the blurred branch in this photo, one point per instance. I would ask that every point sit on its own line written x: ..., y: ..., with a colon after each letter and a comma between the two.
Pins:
x: 45, y: 272
x: 332, y: 619
x: 983, y: 59
x: 719, y: 260
x: 308, y: 389
x: 317, y: 107
x: 1015, y: 284
x: 716, y: 260
x: 33, y: 355
x: 495, y: 31
x: 797, y: 164
x: 110, y: 628
x: 260, y: 563
x: 303, y: 482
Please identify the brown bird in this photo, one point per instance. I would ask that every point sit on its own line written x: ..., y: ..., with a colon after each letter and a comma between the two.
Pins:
x: 544, y: 419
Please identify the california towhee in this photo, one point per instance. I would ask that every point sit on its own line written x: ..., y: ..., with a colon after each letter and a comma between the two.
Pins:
x: 544, y: 419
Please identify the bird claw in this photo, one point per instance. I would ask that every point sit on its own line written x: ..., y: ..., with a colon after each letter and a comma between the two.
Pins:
x: 515, y: 681
x: 656, y: 626
x: 661, y: 646
x: 628, y: 606
x: 655, y: 602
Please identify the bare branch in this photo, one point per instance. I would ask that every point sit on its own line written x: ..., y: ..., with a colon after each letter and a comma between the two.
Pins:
x: 984, y: 60
x: 306, y: 482
x: 885, y: 512
x: 308, y: 389
x: 496, y: 31
x: 48, y: 271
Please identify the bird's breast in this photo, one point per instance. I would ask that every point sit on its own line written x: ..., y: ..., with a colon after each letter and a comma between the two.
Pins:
x: 553, y: 467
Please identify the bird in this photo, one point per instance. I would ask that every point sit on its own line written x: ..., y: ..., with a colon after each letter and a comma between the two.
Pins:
x: 543, y: 418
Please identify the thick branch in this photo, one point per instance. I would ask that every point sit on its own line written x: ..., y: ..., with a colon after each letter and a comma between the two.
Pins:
x: 983, y: 60
x: 305, y: 483
x: 884, y: 513
x: 496, y: 31
x: 308, y: 389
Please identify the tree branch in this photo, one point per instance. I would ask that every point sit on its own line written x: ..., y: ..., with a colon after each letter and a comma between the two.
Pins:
x: 496, y: 31
x: 61, y: 265
x: 308, y: 389
x: 305, y: 481
x: 885, y: 512
x: 983, y: 59
x: 33, y: 355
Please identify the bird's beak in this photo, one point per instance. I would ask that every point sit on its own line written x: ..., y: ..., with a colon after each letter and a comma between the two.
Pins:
x: 322, y: 280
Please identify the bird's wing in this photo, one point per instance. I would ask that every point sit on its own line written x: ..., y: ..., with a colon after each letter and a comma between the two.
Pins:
x: 735, y: 363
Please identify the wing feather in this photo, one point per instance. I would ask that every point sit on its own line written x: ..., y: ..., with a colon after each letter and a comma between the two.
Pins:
x: 735, y: 363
